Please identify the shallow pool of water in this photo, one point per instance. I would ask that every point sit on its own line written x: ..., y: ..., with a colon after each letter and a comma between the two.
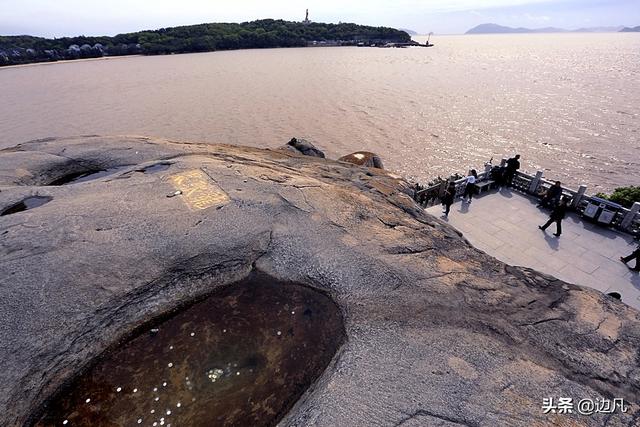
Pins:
x: 243, y: 356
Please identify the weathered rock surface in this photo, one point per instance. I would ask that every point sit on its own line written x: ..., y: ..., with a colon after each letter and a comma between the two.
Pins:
x: 437, y: 332
x: 363, y: 158
x: 304, y: 147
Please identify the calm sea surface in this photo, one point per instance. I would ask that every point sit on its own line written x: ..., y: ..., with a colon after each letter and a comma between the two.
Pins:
x: 568, y: 103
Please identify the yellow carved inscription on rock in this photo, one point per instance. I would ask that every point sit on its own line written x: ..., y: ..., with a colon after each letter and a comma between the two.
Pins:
x: 198, y: 191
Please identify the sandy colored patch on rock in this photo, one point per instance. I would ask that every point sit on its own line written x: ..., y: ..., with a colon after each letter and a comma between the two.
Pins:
x: 514, y: 402
x: 462, y: 368
x: 23, y: 173
x: 610, y: 327
x: 384, y: 187
x: 349, y: 240
x: 590, y: 310
x: 514, y: 399
x: 447, y: 265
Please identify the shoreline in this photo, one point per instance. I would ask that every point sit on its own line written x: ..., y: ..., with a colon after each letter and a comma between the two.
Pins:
x: 186, y: 53
x: 65, y: 61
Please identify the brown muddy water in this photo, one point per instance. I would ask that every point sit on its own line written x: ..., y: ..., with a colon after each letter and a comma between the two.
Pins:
x: 241, y: 357
x: 568, y: 103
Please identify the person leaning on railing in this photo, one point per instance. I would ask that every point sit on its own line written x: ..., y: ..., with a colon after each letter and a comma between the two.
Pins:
x: 513, y: 164
x: 470, y: 188
x: 552, y: 196
x: 448, y: 197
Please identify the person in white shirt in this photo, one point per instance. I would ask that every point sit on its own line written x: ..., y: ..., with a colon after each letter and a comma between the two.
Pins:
x: 471, y: 186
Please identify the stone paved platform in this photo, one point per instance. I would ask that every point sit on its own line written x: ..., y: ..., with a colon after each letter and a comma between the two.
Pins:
x: 505, y: 223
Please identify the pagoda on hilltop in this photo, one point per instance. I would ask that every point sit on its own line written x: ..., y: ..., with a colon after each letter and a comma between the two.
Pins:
x: 306, y: 18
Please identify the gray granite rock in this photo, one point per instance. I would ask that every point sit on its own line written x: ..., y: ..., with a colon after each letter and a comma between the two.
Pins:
x: 304, y: 147
x: 437, y: 332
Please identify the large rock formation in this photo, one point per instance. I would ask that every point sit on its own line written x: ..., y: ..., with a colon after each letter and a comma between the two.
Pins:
x: 363, y: 158
x: 302, y: 146
x: 436, y: 332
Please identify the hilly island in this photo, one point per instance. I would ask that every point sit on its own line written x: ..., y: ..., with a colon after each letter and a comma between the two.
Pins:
x: 266, y: 33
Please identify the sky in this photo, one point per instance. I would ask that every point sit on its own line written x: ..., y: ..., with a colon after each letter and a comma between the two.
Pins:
x: 57, y: 18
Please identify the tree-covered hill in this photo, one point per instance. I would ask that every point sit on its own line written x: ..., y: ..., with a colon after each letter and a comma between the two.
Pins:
x: 193, y: 38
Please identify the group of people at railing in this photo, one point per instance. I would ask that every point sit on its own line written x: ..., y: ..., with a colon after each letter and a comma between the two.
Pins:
x: 553, y: 197
x: 501, y: 175
x: 507, y: 174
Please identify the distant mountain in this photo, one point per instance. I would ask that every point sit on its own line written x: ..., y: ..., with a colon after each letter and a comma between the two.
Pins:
x: 631, y: 29
x: 598, y: 29
x: 500, y: 29
x: 410, y: 32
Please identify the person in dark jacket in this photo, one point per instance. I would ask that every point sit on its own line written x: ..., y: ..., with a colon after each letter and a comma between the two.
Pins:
x: 552, y: 196
x: 557, y: 215
x: 513, y: 164
x: 635, y: 254
x: 447, y: 199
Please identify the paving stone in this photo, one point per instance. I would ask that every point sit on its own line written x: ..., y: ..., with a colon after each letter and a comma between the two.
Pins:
x: 504, y: 225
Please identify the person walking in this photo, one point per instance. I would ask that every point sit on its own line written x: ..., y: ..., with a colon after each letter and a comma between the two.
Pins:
x: 635, y: 254
x: 448, y: 197
x: 557, y: 215
x: 513, y: 164
x: 470, y: 188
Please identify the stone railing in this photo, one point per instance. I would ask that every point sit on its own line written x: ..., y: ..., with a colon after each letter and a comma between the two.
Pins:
x: 595, y: 209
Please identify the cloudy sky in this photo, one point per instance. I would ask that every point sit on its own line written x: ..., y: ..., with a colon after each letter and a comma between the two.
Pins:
x: 56, y: 18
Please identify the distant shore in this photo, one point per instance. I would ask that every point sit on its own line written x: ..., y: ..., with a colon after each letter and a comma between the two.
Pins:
x: 207, y: 37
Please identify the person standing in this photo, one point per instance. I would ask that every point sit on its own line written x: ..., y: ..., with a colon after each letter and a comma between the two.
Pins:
x: 557, y: 215
x: 470, y: 188
x: 513, y: 164
x: 448, y: 197
x: 635, y: 254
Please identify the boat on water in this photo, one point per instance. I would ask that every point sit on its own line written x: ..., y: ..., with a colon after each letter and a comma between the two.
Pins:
x: 427, y: 43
